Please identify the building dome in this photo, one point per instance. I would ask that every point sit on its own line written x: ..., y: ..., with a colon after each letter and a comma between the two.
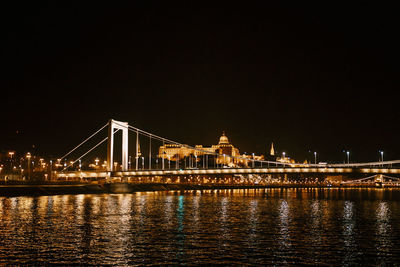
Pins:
x: 223, y: 140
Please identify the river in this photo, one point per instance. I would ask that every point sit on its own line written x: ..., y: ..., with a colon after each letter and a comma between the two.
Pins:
x: 227, y: 227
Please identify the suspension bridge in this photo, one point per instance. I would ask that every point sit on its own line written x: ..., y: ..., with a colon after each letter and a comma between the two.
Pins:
x: 204, y: 163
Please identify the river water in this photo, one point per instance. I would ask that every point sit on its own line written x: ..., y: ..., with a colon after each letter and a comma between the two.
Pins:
x: 227, y: 227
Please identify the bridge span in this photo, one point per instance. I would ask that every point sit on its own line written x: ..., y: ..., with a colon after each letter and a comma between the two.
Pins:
x: 225, y: 171
x: 202, y: 163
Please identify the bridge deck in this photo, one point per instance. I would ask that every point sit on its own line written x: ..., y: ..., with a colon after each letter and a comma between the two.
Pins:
x: 228, y: 171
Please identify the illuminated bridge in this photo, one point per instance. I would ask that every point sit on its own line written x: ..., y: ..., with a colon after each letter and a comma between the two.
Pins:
x: 204, y: 163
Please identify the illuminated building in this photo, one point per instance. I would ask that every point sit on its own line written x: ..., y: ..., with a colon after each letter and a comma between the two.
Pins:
x: 224, y: 148
x: 285, y: 160
x: 178, y: 152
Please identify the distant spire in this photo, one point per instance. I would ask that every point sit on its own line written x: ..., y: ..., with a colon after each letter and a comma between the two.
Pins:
x: 272, y: 151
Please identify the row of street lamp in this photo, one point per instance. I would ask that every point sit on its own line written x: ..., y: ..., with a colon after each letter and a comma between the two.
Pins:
x: 347, y: 152
x: 28, y: 157
x: 348, y: 155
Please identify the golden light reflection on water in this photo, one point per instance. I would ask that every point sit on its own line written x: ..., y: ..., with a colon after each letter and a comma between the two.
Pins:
x: 316, y: 213
x: 348, y: 230
x: 284, y: 220
x: 168, y: 211
x: 253, y: 221
x: 223, y: 219
x: 266, y: 227
x: 383, y: 227
x: 224, y: 208
x: 196, y: 210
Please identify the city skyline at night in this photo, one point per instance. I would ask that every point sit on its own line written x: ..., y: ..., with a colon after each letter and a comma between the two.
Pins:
x: 146, y: 134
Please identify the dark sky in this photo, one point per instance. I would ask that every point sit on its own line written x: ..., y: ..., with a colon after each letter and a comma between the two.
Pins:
x: 308, y: 78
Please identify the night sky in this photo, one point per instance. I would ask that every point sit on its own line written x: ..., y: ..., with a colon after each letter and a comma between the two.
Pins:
x: 306, y: 77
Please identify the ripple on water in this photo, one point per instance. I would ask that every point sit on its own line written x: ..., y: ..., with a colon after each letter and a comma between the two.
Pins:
x: 227, y: 227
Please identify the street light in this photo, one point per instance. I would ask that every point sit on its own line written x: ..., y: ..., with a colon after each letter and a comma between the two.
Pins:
x: 315, y: 157
x: 381, y: 159
x: 51, y: 170
x: 28, y: 156
x: 348, y: 157
x: 11, y: 154
x: 41, y: 164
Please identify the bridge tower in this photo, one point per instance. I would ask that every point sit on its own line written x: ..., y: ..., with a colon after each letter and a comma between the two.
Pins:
x: 123, y: 126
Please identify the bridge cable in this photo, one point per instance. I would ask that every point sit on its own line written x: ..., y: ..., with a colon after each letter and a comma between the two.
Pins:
x: 359, y: 180
x: 102, y: 141
x: 87, y: 139
x: 391, y: 177
x: 148, y: 134
x: 134, y: 129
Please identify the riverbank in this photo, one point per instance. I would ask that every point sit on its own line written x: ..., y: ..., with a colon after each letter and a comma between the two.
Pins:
x: 115, y: 188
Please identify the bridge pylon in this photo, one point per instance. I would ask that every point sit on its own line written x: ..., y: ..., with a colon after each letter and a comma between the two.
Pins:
x: 123, y: 126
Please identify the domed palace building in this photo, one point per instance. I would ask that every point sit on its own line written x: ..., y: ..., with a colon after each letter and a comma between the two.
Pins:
x: 224, y: 148
x: 227, y: 149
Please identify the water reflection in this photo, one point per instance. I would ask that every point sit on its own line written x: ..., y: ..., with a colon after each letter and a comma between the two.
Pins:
x: 229, y: 227
x: 315, y: 222
x: 224, y: 207
x: 284, y: 220
x: 180, y: 235
x: 350, y: 245
x: 196, y: 211
x: 348, y: 224
x: 253, y: 218
x: 383, y: 229
x: 224, y: 221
